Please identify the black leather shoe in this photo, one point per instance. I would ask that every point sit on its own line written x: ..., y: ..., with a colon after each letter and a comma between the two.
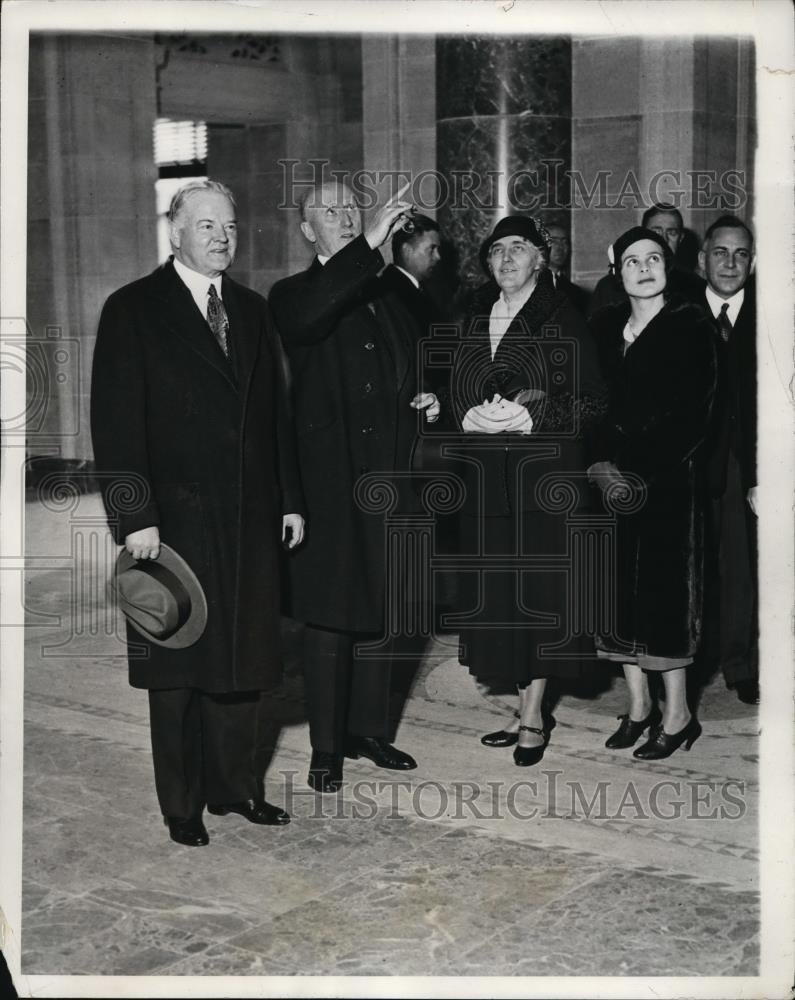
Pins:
x: 629, y: 732
x: 660, y: 744
x: 379, y: 752
x: 190, y: 832
x: 499, y: 739
x: 255, y: 811
x: 748, y: 691
x: 325, y: 772
x: 527, y: 756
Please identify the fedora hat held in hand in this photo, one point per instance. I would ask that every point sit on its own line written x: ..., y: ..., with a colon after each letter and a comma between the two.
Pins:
x: 161, y: 598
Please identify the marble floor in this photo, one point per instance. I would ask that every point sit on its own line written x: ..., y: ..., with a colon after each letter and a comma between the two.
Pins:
x: 590, y: 864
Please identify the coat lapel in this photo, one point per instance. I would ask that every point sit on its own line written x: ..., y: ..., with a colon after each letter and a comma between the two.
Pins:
x: 243, y: 333
x: 180, y: 314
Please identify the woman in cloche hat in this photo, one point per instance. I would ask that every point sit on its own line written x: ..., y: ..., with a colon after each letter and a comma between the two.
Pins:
x: 525, y: 388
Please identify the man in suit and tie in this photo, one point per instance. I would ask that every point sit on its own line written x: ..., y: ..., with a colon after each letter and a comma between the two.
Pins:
x: 559, y: 252
x: 415, y: 256
x: 351, y: 343
x: 193, y: 447
x: 727, y: 259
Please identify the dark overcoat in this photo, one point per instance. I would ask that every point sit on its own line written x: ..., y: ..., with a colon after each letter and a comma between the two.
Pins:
x: 734, y: 525
x: 546, y: 348
x: 661, y: 392
x: 734, y: 412
x: 202, y: 448
x: 350, y: 343
x: 417, y: 301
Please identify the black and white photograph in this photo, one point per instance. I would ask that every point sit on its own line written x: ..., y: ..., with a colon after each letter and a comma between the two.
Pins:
x: 396, y: 555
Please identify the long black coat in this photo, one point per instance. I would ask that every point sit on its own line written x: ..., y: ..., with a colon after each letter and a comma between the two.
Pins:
x: 353, y: 377
x: 547, y: 347
x: 210, y: 450
x: 661, y: 393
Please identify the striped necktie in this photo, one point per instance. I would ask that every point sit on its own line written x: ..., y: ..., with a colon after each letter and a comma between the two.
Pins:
x: 218, y: 320
x: 724, y: 323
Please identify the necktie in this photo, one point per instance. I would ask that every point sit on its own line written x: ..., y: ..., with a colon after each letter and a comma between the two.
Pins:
x: 217, y: 319
x: 724, y: 323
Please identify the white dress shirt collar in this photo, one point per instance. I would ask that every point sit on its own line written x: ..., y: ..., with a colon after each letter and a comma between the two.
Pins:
x: 716, y: 303
x: 411, y: 277
x: 502, y: 315
x: 198, y: 285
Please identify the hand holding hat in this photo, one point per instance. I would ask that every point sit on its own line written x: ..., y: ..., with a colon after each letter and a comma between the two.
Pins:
x: 161, y: 598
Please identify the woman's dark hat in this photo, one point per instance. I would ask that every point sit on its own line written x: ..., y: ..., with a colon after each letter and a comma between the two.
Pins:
x: 625, y: 240
x: 515, y: 225
x: 161, y: 598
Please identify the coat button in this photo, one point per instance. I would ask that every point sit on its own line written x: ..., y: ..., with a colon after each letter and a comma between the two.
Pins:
x: 369, y: 346
x: 367, y: 430
x: 368, y: 386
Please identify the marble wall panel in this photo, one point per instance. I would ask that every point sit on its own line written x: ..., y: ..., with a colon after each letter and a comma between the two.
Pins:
x: 491, y: 76
x: 92, y: 127
x: 468, y: 155
x: 716, y: 79
x: 348, y: 59
x: 38, y: 190
x: 610, y: 144
x: 605, y: 74
x: 267, y: 144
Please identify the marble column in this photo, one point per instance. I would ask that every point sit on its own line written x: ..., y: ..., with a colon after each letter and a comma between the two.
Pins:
x: 91, y: 208
x: 503, y: 135
x: 399, y: 113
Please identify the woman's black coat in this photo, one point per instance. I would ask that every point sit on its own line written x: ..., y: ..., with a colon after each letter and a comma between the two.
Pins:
x: 661, y: 391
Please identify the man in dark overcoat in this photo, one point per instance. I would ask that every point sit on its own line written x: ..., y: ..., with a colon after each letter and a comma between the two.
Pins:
x: 727, y: 259
x: 350, y: 343
x: 193, y: 446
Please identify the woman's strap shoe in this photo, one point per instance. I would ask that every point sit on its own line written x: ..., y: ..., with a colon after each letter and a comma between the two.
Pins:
x: 527, y: 756
x: 629, y: 732
x: 660, y: 744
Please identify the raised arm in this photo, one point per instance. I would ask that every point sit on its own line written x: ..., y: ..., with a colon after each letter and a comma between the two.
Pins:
x: 307, y: 306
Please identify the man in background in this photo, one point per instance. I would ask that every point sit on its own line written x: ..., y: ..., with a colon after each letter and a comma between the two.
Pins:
x: 415, y: 257
x: 559, y: 254
x: 727, y: 259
